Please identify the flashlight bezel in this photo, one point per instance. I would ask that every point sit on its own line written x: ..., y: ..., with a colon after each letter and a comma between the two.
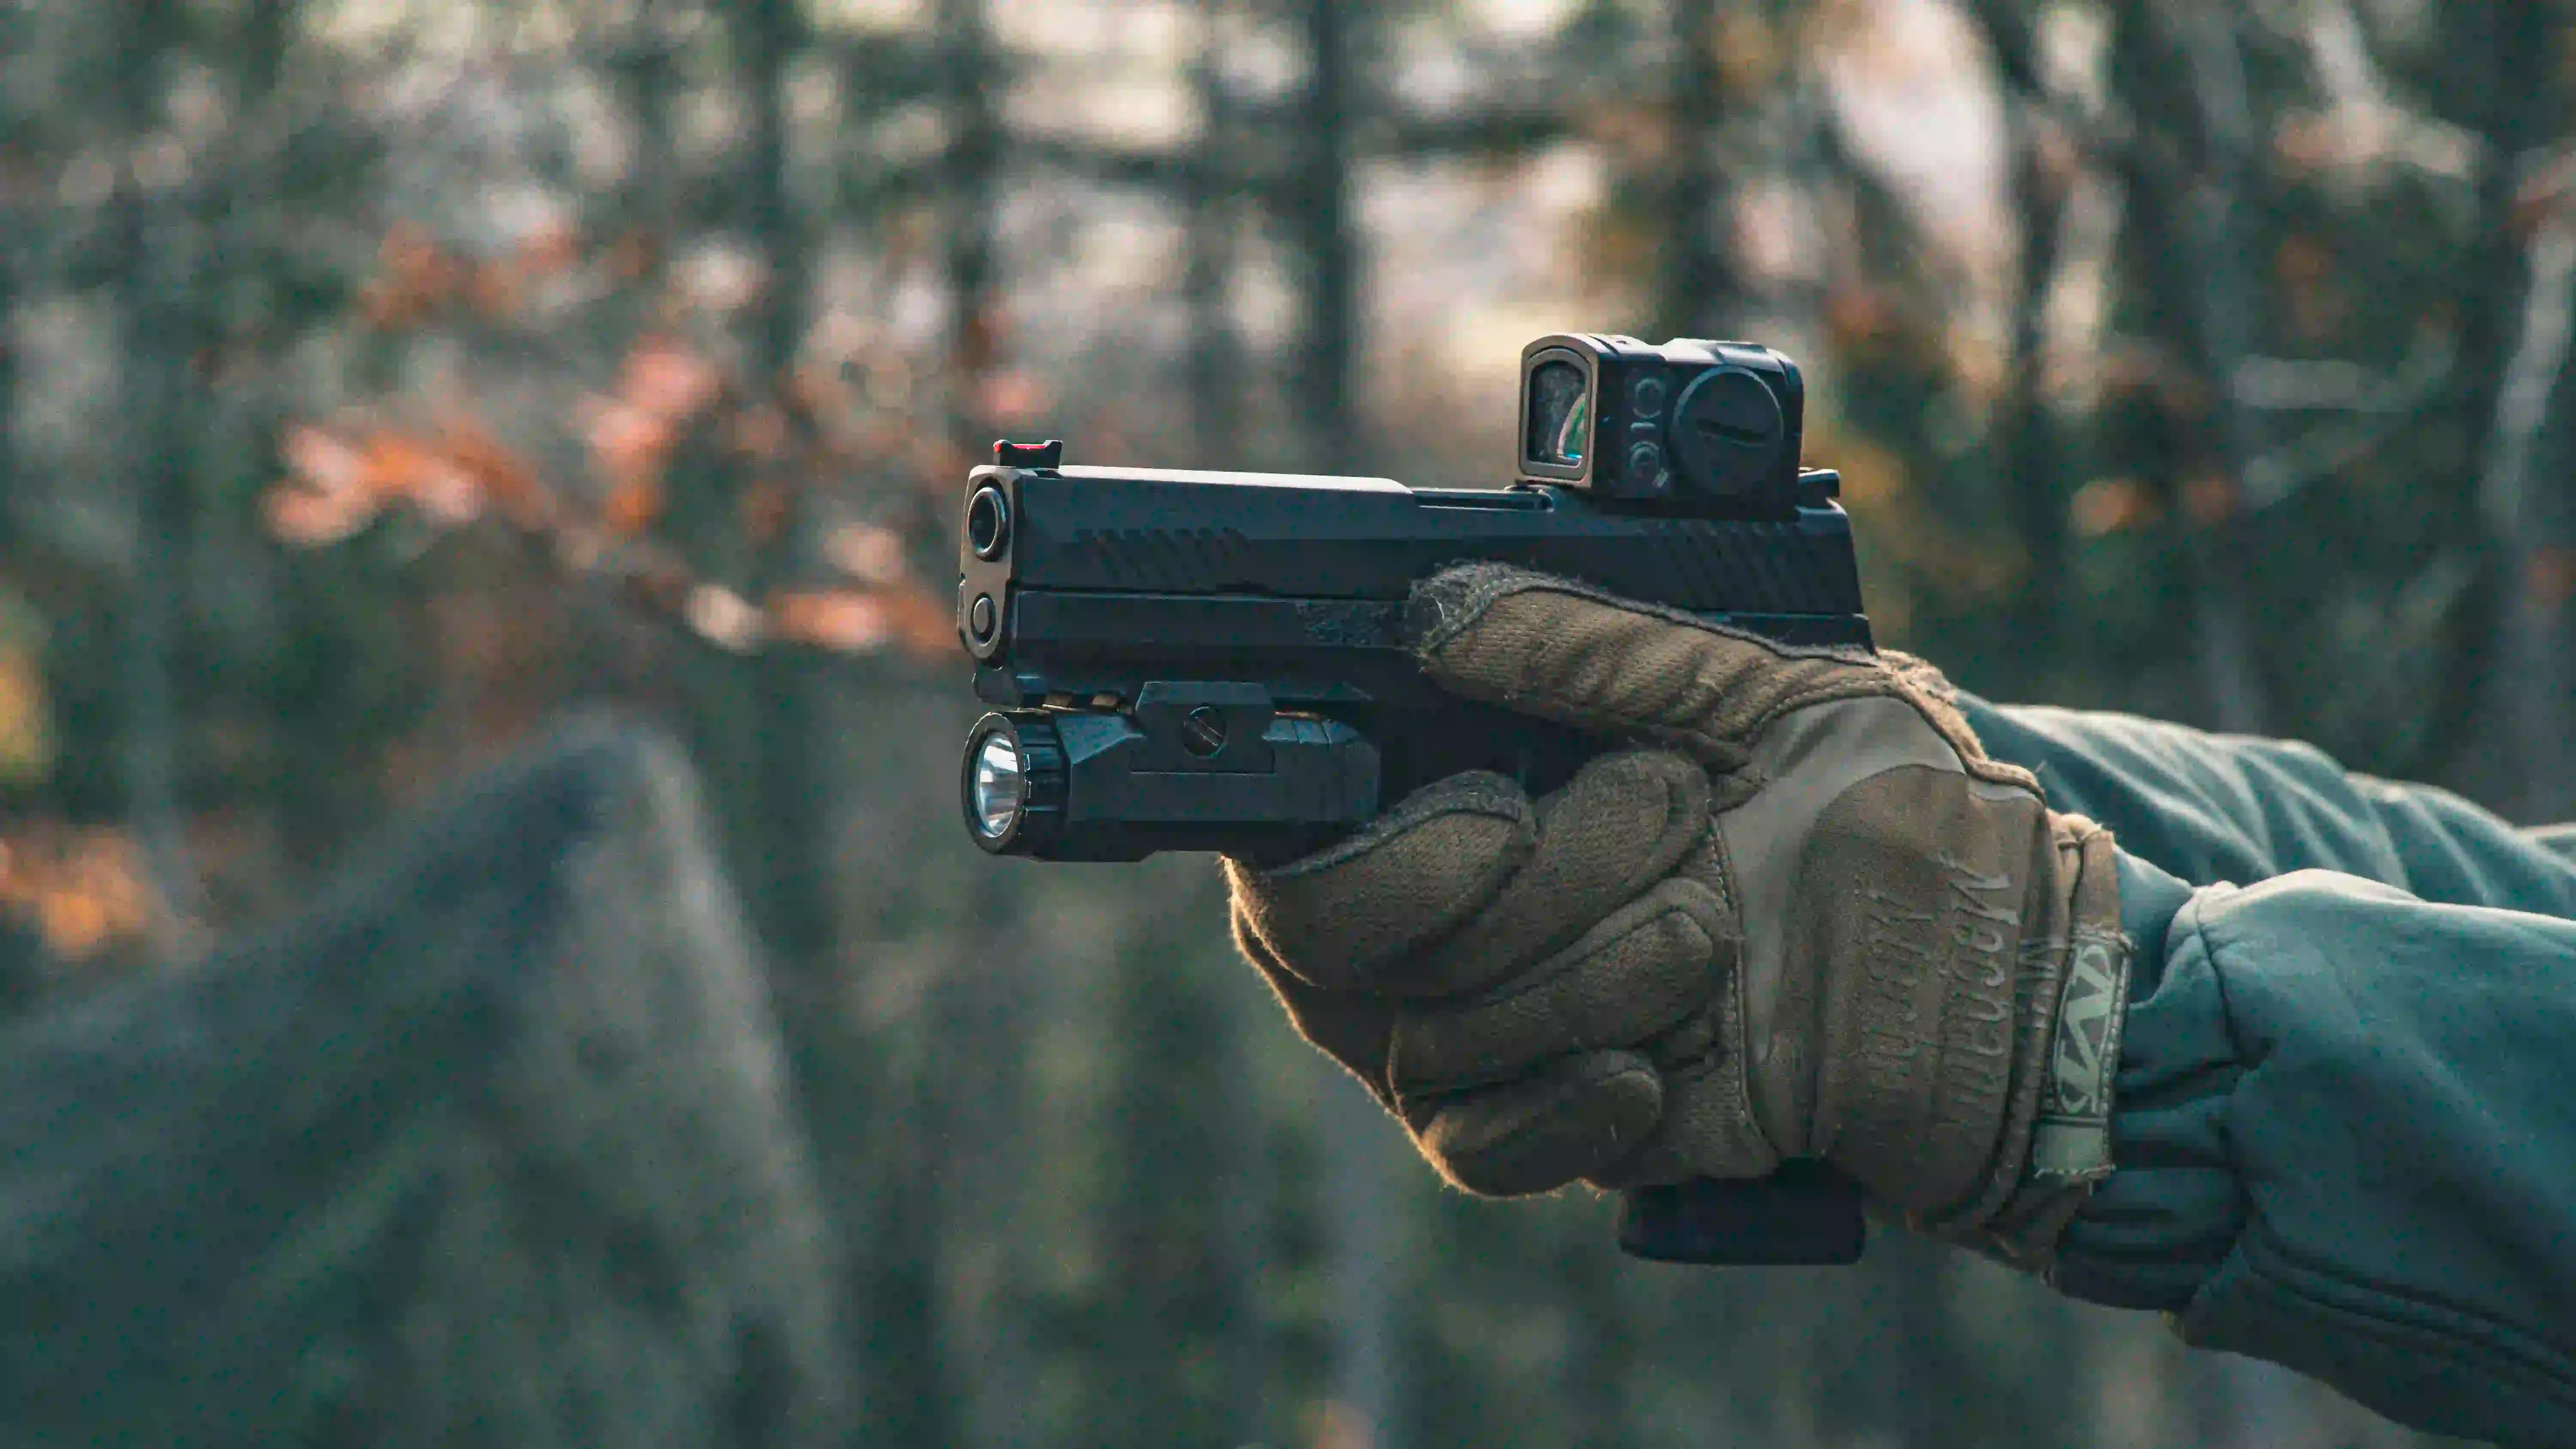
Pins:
x: 1040, y: 816
x: 980, y: 801
x: 977, y: 739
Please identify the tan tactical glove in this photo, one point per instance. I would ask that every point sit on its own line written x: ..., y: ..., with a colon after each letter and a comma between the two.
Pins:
x: 1800, y: 914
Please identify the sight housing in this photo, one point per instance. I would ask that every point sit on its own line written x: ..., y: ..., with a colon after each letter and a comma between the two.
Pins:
x: 1706, y: 427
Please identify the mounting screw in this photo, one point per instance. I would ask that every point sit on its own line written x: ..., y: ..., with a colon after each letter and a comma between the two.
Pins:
x: 1203, y: 731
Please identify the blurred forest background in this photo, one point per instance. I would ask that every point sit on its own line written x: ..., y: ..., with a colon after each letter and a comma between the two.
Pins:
x: 382, y: 379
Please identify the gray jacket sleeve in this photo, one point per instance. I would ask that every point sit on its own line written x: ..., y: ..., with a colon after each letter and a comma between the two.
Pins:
x: 2345, y: 1126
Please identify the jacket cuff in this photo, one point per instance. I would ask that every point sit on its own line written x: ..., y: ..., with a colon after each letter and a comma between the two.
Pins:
x: 2166, y: 1218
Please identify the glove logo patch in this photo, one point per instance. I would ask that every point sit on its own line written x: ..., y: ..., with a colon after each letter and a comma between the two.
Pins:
x: 2074, y: 1138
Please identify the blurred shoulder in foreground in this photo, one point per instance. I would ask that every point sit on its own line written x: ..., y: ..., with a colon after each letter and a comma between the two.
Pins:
x: 493, y: 1142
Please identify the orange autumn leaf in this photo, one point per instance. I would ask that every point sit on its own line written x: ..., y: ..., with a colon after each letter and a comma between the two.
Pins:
x: 725, y: 619
x: 838, y: 620
x: 408, y: 250
x: 2210, y: 498
x: 924, y: 624
x: 504, y: 477
x: 668, y: 380
x: 761, y: 432
x: 85, y: 889
x: 1858, y: 317
x: 632, y: 255
x: 628, y: 444
x: 326, y: 497
x: 853, y: 621
x: 336, y: 486
x: 302, y: 518
x: 658, y: 584
x: 322, y: 461
x: 400, y: 466
x: 633, y: 505
x: 1012, y: 397
x: 498, y: 290
x: 413, y: 276
x: 765, y: 508
x: 2543, y: 193
x: 550, y: 249
x: 866, y: 552
x: 2549, y: 577
x: 2111, y: 505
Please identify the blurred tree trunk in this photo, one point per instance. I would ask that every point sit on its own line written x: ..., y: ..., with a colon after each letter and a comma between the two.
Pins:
x: 1695, y: 287
x: 1360, y: 1201
x: 268, y: 28
x: 21, y: 192
x: 2547, y: 597
x: 972, y: 1122
x: 2519, y: 395
x: 1240, y: 1154
x: 2033, y: 456
x: 248, y: 406
x: 1322, y: 233
x: 910, y: 1397
x: 1181, y: 1358
x: 969, y: 62
x: 795, y: 792
x: 921, y: 1393
x: 156, y: 239
x: 755, y: 733
x: 2504, y: 57
x: 1600, y: 1362
x: 1218, y: 169
x: 799, y: 790
x: 2526, y: 498
x: 643, y: 63
x: 16, y: 222
x: 2178, y: 71
x: 959, y: 1368
x: 773, y: 34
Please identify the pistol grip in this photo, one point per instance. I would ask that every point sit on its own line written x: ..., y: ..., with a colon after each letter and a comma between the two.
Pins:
x: 1806, y: 1213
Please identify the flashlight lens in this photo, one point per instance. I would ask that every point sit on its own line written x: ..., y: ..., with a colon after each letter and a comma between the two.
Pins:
x: 1000, y: 787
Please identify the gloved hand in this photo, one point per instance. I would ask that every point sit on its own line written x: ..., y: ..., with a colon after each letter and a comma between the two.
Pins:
x: 1794, y: 911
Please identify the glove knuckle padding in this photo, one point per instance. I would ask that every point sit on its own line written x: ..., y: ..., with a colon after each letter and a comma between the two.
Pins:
x: 1642, y: 970
x: 1622, y: 824
x: 1704, y: 1130
x: 1341, y: 918
x: 1547, y: 1129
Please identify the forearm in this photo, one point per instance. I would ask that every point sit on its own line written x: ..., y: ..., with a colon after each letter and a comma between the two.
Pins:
x: 2207, y: 808
x: 2344, y: 1144
x: 2339, y: 1136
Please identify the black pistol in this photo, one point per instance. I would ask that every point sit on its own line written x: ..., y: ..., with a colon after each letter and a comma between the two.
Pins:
x: 1218, y: 661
